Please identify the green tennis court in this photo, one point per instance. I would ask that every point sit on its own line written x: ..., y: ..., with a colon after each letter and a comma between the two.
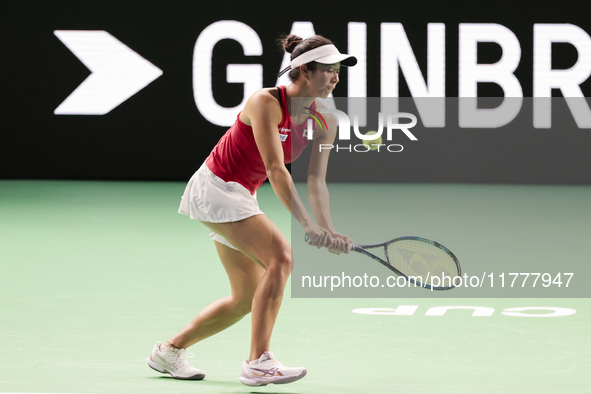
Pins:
x: 92, y: 274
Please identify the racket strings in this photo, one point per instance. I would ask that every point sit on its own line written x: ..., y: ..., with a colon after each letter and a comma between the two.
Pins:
x: 421, y: 261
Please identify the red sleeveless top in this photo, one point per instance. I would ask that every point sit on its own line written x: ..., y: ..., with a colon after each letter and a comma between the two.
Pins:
x: 236, y: 157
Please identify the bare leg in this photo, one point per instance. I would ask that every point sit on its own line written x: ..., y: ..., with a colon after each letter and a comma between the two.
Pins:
x: 244, y: 275
x: 260, y: 241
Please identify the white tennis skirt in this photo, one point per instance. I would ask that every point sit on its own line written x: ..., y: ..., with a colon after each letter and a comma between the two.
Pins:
x: 208, y: 198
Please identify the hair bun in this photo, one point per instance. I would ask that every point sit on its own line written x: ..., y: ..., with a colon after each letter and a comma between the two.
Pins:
x: 291, y: 42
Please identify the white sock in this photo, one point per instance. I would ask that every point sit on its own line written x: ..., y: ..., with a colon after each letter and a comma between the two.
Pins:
x: 168, y: 349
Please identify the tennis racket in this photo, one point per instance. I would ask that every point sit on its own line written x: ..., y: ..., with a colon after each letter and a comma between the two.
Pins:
x: 420, y: 260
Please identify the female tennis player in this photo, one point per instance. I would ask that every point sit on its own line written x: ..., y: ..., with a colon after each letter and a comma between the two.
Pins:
x: 222, y: 195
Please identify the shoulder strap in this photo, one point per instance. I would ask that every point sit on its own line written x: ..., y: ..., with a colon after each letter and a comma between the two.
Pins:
x: 283, y: 101
x: 280, y: 94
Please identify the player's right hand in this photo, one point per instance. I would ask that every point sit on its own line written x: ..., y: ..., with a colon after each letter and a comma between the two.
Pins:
x: 318, y: 236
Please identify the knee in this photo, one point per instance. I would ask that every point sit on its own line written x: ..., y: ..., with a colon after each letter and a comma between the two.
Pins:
x: 281, y: 264
x: 243, y: 305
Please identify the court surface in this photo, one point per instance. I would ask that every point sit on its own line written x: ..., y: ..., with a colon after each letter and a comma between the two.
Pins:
x: 92, y: 274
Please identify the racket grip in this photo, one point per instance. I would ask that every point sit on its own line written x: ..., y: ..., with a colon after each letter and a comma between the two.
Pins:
x: 354, y: 247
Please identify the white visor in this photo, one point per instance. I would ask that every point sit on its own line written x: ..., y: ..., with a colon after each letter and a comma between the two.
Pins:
x: 325, y: 54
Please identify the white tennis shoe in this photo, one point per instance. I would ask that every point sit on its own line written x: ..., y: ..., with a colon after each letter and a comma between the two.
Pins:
x: 173, y: 362
x: 268, y: 370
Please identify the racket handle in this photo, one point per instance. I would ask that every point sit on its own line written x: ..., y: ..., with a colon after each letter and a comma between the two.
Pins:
x: 354, y: 247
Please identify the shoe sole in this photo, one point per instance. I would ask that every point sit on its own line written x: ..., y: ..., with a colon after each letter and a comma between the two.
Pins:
x: 257, y: 383
x: 161, y: 369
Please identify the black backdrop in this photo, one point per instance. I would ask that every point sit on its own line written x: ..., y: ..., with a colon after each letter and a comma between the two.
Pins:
x: 159, y: 134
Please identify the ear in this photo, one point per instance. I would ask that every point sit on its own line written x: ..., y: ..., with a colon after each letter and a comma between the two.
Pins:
x: 304, y: 70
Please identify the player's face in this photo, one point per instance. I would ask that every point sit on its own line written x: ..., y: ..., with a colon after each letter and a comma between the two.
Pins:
x: 324, y: 79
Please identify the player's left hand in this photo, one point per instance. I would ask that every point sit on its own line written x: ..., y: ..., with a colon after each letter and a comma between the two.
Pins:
x: 341, y: 244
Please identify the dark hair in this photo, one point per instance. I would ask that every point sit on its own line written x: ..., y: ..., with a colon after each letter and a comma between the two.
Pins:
x: 296, y: 45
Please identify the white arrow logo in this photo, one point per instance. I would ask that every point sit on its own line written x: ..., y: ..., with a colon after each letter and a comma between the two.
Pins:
x: 117, y: 72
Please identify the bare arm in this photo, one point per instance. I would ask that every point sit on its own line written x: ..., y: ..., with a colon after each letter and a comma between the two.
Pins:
x: 317, y: 190
x: 263, y: 113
